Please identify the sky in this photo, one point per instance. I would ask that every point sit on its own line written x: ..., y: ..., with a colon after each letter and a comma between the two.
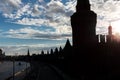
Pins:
x: 44, y: 24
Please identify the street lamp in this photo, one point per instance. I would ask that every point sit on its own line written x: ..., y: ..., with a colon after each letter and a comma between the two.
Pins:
x: 13, y: 68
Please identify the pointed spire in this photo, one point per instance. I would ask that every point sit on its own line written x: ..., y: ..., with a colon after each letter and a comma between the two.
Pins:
x: 67, y: 45
x: 28, y: 53
x: 82, y: 5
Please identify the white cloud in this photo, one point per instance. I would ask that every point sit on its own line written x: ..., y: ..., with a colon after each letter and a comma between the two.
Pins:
x: 25, y: 10
x: 15, y: 3
x: 30, y: 33
x: 31, y: 21
x: 54, y: 14
x: 7, y: 6
x: 40, y: 0
x: 55, y: 7
x: 36, y: 11
x: 23, y: 33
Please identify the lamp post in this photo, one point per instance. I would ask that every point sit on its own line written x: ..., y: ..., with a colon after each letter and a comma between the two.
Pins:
x: 13, y: 68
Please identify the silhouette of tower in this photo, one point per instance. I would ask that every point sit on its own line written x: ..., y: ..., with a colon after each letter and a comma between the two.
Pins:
x: 67, y: 45
x: 109, y: 33
x: 83, y: 23
x: 28, y: 53
x: 110, y: 30
x: 28, y: 56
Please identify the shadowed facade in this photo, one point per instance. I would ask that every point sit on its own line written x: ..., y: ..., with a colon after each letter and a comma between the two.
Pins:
x: 83, y: 23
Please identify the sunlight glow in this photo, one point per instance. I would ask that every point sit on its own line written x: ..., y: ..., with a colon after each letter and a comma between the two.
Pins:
x: 116, y: 27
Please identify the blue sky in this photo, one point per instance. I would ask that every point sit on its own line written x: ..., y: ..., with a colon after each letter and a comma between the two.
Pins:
x: 45, y: 24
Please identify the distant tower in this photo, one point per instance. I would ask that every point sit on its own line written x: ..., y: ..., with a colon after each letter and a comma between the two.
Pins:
x: 28, y: 53
x: 110, y: 30
x: 83, y: 24
x: 109, y: 39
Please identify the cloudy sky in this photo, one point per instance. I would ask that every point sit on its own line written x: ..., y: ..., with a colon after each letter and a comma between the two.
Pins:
x: 45, y: 24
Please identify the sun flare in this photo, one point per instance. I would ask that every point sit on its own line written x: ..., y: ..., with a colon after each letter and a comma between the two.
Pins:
x: 116, y: 28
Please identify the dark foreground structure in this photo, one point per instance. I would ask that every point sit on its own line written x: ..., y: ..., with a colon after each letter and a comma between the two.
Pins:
x: 88, y: 58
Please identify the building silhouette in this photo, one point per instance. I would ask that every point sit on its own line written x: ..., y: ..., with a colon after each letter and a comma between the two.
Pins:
x: 83, y: 23
x: 97, y: 54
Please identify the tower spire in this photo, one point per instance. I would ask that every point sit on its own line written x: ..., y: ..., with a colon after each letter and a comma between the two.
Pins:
x: 82, y: 5
x: 28, y: 53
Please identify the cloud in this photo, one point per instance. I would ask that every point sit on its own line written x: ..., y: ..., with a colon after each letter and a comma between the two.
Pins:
x: 30, y: 33
x: 31, y: 21
x: 14, y: 4
x: 40, y: 0
x: 53, y: 14
x: 25, y: 10
x: 36, y: 11
x: 55, y: 7
x: 7, y: 6
x: 57, y: 14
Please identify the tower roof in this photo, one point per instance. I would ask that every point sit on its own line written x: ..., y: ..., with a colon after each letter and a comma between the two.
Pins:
x: 82, y: 5
x: 67, y: 45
